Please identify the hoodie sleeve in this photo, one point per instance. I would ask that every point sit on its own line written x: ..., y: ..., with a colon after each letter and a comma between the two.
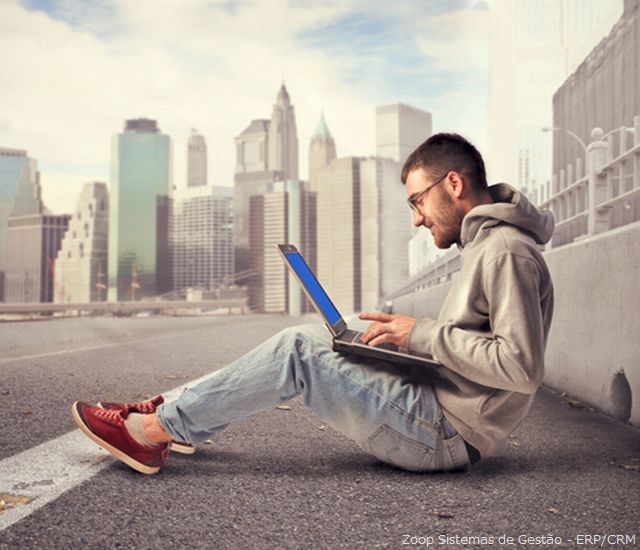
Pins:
x: 511, y: 358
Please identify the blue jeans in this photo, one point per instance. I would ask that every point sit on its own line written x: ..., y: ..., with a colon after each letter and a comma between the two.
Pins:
x: 389, y: 410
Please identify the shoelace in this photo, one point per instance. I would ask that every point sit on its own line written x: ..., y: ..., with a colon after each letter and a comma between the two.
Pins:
x: 113, y: 416
x: 145, y: 408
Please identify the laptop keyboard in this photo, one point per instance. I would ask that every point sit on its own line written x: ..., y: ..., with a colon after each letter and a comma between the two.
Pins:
x: 351, y: 336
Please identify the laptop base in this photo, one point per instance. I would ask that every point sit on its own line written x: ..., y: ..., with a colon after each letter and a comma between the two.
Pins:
x: 382, y: 354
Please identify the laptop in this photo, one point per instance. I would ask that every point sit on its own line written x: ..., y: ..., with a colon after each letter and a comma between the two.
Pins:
x: 345, y: 341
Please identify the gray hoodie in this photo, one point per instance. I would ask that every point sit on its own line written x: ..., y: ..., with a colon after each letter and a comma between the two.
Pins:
x: 492, y: 329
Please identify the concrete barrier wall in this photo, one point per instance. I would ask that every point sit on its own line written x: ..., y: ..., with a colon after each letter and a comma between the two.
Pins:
x: 593, y: 352
x: 594, y: 347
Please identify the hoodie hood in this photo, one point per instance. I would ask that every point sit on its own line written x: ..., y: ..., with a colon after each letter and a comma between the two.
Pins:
x: 511, y: 207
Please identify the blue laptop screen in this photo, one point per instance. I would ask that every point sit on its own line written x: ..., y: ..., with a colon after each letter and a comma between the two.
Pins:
x: 313, y: 287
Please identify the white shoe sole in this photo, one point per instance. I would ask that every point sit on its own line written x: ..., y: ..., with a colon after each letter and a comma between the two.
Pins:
x: 138, y: 466
x: 182, y: 449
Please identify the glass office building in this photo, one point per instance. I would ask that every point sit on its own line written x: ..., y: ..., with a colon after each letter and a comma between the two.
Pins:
x: 139, y: 253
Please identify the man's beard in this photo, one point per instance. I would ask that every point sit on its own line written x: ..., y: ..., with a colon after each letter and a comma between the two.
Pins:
x: 448, y: 224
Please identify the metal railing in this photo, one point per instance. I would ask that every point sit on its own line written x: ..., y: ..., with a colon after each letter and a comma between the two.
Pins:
x: 607, y: 196
x: 125, y: 308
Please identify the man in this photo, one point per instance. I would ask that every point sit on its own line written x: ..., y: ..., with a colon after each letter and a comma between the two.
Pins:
x: 490, y: 336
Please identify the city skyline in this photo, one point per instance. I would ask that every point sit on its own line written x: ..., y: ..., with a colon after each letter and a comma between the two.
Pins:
x: 344, y: 59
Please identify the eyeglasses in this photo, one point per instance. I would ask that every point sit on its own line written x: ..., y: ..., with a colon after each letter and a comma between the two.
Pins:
x: 415, y: 202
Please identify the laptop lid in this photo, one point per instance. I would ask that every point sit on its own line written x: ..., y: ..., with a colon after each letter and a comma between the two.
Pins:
x: 312, y: 288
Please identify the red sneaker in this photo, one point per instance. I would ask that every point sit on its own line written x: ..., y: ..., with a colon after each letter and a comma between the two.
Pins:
x: 106, y: 427
x: 149, y: 407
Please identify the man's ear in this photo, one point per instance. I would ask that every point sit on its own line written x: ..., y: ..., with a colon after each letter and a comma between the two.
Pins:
x: 457, y: 184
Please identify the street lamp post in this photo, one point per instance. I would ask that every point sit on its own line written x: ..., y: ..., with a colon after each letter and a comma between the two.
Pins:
x: 574, y: 136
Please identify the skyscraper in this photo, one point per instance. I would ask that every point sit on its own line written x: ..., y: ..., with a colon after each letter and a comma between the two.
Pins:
x: 285, y: 213
x: 386, y: 229
x: 339, y: 235
x: 81, y: 264
x: 322, y: 151
x: 267, y: 151
x: 364, y: 227
x: 283, y: 137
x: 139, y: 258
x: 251, y: 178
x: 400, y: 129
x: 202, y: 238
x: 12, y: 161
x: 33, y: 240
x: 196, y: 160
x: 534, y: 46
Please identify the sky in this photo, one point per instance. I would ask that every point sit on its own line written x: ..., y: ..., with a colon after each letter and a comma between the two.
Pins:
x: 75, y: 70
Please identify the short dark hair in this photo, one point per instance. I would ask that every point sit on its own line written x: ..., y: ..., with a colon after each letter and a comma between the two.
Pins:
x: 444, y: 152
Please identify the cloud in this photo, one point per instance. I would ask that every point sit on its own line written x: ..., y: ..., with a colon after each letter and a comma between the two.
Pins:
x: 73, y: 71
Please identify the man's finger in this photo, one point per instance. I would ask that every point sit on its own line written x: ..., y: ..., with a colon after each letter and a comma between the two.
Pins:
x: 374, y: 330
x: 370, y: 332
x: 380, y: 339
x: 375, y: 316
x: 367, y: 335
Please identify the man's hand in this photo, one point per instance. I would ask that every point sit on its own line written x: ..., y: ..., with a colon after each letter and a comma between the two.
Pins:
x: 393, y: 329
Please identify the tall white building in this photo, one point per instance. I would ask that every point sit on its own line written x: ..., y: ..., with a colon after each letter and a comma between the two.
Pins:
x: 364, y: 226
x: 283, y: 214
x: 322, y: 150
x: 385, y: 228
x: 339, y: 265
x: 81, y: 264
x: 196, y: 160
x: 201, y: 234
x: 283, y: 137
x: 534, y: 46
x: 400, y: 129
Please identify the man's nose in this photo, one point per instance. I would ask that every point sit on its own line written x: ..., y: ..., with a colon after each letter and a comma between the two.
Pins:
x: 417, y: 218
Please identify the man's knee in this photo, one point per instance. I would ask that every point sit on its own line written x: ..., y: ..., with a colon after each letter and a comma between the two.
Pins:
x: 304, y: 339
x: 304, y: 333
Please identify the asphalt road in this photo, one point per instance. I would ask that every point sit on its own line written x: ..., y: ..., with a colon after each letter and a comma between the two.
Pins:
x: 281, y: 479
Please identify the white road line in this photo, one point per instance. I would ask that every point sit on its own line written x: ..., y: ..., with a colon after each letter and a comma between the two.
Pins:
x: 59, y: 352
x: 47, y: 471
x: 86, y: 348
